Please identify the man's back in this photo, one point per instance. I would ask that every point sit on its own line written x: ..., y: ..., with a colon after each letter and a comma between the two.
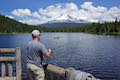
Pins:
x: 35, y: 52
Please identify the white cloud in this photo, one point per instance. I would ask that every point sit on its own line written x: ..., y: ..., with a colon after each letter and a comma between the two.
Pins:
x: 11, y: 17
x: 51, y: 11
x: 99, y: 13
x: 57, y: 11
x: 89, y: 7
x: 71, y: 6
x: 21, y: 12
x: 30, y: 21
x: 87, y: 11
x: 111, y: 14
x: 36, y: 15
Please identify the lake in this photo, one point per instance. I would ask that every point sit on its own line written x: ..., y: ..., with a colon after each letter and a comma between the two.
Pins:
x: 96, y: 54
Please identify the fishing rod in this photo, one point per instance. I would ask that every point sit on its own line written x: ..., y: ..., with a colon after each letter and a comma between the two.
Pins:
x: 59, y: 46
x: 55, y: 49
x: 70, y: 58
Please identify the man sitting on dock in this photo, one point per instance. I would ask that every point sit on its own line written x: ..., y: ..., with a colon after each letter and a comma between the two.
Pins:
x: 36, y: 50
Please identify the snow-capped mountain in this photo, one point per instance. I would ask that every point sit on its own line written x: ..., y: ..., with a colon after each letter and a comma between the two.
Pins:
x: 67, y: 19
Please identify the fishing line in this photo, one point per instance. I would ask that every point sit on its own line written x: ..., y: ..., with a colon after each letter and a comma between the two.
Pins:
x: 55, y: 49
x: 61, y: 45
x: 69, y: 59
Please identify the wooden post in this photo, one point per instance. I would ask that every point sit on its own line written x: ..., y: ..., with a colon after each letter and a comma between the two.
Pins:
x: 56, y: 70
x: 7, y: 50
x: 7, y: 59
x: 3, y: 71
x: 18, y: 64
x: 68, y: 73
x: 10, y: 71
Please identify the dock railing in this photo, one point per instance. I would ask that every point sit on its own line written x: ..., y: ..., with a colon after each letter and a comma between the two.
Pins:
x: 6, y: 63
x: 52, y: 72
x: 57, y: 73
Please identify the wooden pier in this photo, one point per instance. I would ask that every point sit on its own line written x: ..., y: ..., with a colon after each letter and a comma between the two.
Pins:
x: 8, y: 60
x: 52, y: 72
x: 57, y: 73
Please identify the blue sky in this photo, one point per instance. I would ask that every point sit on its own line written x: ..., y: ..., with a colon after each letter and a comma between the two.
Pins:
x: 8, y: 6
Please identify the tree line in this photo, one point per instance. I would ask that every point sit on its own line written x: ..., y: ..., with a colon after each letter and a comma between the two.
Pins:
x: 106, y: 28
x: 8, y: 25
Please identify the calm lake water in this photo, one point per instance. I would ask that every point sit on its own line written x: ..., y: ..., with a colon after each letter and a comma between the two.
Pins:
x: 98, y: 55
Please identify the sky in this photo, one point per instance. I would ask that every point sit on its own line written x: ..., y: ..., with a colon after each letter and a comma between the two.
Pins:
x: 36, y: 12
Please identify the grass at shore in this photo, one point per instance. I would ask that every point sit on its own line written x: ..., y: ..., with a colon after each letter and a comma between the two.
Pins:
x: 117, y: 33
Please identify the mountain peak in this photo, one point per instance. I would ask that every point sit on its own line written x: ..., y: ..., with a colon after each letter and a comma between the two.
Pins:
x: 67, y: 19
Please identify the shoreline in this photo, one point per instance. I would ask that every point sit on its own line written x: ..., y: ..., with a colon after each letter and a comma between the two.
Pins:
x: 103, y: 34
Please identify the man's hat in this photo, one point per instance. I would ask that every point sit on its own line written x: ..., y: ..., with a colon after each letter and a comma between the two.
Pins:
x: 36, y: 33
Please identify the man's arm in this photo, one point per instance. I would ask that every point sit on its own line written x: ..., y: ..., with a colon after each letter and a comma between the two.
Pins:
x: 49, y: 53
x: 46, y: 52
